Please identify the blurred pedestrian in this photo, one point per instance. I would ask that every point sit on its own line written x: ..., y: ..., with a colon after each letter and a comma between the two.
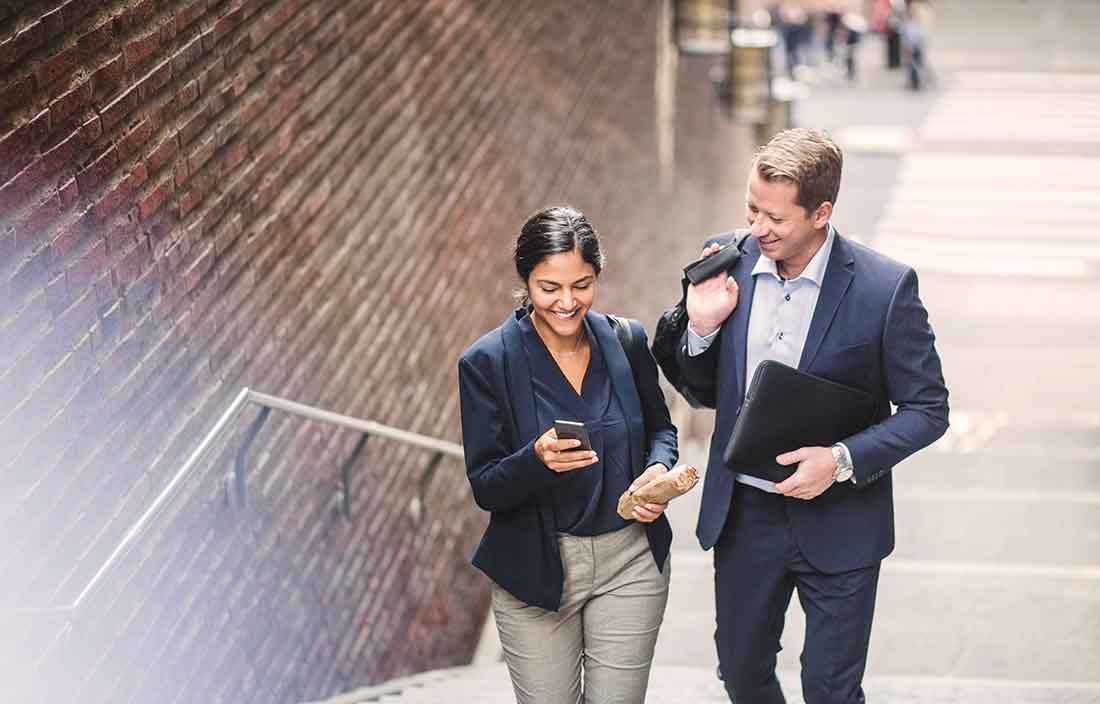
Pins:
x: 915, y: 27
x: 843, y: 32
x: 578, y: 592
x: 886, y: 19
x: 796, y: 29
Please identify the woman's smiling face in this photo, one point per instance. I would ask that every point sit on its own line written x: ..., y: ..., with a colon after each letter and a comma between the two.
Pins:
x: 562, y: 288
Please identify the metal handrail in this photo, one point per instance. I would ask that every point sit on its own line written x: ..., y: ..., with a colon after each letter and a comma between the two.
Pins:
x: 267, y: 402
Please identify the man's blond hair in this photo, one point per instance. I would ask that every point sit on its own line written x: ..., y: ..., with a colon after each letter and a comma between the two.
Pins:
x: 807, y: 158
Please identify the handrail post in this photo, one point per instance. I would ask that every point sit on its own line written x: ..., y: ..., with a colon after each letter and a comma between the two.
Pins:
x: 345, y: 475
x: 236, y: 485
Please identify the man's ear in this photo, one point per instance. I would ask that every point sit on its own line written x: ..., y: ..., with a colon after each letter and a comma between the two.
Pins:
x: 822, y: 215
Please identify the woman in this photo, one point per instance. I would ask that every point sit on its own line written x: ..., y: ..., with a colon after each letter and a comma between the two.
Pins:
x: 575, y: 586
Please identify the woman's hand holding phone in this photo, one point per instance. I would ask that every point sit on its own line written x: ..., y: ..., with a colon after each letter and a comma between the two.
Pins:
x: 562, y: 455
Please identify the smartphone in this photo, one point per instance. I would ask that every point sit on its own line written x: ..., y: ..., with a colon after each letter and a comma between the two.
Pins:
x: 572, y: 430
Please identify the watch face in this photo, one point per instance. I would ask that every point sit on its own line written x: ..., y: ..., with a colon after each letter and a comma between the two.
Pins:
x: 844, y: 475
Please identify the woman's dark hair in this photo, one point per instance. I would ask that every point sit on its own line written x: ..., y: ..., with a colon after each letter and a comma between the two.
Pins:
x: 555, y: 230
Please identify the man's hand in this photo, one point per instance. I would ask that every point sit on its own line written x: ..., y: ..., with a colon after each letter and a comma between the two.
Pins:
x: 647, y: 513
x: 814, y: 475
x: 710, y: 302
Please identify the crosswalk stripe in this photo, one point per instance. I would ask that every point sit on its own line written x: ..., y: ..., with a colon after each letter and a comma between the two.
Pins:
x: 1026, y: 81
x: 971, y: 247
x: 991, y: 265
x: 995, y: 197
x: 899, y: 224
x: 1011, y: 214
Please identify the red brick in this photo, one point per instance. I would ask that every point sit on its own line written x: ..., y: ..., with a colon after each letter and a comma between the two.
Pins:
x: 33, y: 227
x: 154, y: 199
x: 54, y: 21
x: 87, y: 267
x: 70, y: 238
x: 97, y: 39
x: 186, y: 95
x: 138, y: 50
x: 188, y: 12
x: 68, y: 103
x: 68, y: 193
x: 60, y: 66
x: 163, y: 153
x: 108, y: 78
x: 63, y: 154
x: 91, y: 130
x: 97, y: 172
x: 120, y: 236
x: 156, y: 79
x: 28, y: 39
x: 30, y: 276
x: 57, y: 295
x: 138, y: 15
x: 200, y: 155
x: 116, y: 199
x: 18, y: 192
x: 18, y: 147
x: 135, y: 139
x: 120, y: 107
x: 193, y: 126
x: 15, y: 97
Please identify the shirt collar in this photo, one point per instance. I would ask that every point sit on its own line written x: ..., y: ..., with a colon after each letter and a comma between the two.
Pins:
x: 814, y: 271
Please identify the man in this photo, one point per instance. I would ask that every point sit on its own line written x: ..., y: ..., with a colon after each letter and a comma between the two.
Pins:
x: 816, y: 301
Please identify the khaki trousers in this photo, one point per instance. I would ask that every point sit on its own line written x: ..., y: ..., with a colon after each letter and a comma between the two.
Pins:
x: 612, y: 605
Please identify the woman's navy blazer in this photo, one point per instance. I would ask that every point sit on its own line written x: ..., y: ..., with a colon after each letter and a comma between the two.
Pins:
x: 519, y: 550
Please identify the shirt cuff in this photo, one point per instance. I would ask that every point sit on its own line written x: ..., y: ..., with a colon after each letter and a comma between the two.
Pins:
x: 698, y: 344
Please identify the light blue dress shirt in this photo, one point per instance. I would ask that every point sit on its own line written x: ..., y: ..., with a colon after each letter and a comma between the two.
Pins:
x: 778, y: 322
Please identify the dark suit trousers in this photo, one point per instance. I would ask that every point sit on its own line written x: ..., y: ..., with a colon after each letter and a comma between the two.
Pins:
x: 757, y: 566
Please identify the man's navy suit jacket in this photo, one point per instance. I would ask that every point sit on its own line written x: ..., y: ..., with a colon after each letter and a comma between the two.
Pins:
x: 519, y: 550
x: 870, y: 331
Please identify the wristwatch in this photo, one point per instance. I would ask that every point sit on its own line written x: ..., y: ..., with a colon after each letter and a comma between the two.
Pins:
x: 844, y: 470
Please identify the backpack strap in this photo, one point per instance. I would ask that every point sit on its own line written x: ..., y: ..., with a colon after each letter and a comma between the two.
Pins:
x: 625, y: 335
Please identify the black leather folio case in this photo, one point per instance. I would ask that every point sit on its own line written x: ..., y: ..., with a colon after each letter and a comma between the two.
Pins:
x: 786, y: 409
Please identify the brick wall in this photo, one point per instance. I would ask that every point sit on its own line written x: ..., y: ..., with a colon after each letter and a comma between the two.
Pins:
x: 315, y: 199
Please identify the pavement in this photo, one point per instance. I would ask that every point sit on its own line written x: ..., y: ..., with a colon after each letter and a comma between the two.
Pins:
x: 988, y: 183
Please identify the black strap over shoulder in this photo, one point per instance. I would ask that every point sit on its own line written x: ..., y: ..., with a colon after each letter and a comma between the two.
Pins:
x: 625, y: 334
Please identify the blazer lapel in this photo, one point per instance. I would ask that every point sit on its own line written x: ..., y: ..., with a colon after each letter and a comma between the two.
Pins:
x: 737, y: 343
x: 838, y: 276
x: 518, y: 374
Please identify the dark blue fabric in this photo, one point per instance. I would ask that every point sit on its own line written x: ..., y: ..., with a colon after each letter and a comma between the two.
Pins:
x: 871, y: 331
x: 757, y: 565
x: 585, y: 500
x: 519, y: 550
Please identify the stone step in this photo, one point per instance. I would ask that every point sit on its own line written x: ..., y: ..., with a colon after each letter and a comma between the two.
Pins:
x: 1067, y: 470
x: 489, y: 684
x: 998, y: 526
x: 932, y: 619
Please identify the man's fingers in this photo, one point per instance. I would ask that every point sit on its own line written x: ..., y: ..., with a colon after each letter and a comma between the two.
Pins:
x: 789, y: 485
x: 792, y: 457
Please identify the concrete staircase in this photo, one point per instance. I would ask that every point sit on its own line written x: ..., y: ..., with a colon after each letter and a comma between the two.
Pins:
x: 488, y: 684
